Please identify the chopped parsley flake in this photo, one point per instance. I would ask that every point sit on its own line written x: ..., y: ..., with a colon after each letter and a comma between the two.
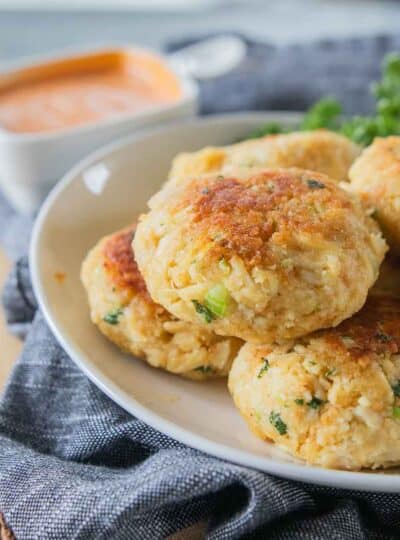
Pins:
x: 396, y: 412
x: 202, y: 310
x: 276, y: 421
x: 396, y: 389
x: 315, y: 402
x: 330, y: 372
x: 299, y: 401
x: 383, y: 338
x: 204, y: 369
x: 112, y: 317
x: 264, y: 368
x: 314, y: 184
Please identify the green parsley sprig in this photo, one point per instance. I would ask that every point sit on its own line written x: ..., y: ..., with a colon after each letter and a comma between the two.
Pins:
x: 327, y: 112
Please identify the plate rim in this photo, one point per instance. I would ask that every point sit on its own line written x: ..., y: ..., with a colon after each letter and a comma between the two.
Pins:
x: 342, y: 479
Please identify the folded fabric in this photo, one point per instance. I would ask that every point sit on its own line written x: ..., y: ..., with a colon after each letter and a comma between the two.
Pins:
x: 74, y: 465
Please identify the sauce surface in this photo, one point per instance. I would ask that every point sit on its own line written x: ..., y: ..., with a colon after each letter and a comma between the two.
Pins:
x: 56, y: 101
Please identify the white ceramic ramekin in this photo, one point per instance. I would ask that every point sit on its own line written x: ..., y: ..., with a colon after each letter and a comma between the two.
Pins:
x: 31, y: 163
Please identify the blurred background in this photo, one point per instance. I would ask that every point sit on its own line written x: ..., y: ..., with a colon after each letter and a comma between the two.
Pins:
x: 34, y: 26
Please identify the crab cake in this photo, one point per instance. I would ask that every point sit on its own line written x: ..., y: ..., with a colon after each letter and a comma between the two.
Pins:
x: 331, y: 398
x: 322, y: 151
x: 375, y: 177
x: 268, y: 255
x: 123, y: 310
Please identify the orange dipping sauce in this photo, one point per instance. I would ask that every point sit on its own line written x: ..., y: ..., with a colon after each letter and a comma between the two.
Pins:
x: 84, y: 89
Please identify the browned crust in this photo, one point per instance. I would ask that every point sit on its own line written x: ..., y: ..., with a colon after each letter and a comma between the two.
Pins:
x: 120, y: 264
x: 373, y: 330
x: 241, y: 215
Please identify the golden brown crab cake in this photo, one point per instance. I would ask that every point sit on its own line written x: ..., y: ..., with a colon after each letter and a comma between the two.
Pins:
x: 268, y: 255
x: 375, y: 178
x: 123, y: 310
x: 322, y: 151
x: 331, y: 398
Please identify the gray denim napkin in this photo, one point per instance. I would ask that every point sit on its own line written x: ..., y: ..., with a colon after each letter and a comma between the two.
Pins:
x: 75, y: 465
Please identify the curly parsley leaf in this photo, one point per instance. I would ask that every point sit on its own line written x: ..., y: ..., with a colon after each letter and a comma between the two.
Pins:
x: 324, y: 114
x: 383, y: 121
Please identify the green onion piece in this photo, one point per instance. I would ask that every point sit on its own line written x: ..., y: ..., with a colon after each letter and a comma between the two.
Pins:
x: 396, y: 412
x: 112, y: 317
x: 276, y: 421
x: 202, y: 310
x: 216, y: 300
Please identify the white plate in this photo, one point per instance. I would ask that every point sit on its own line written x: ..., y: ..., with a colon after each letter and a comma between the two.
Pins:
x: 107, y: 191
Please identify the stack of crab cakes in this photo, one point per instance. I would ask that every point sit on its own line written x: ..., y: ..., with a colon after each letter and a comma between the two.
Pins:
x: 263, y: 273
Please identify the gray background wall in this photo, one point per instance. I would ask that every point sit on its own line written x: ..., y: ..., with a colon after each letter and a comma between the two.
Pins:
x: 281, y: 21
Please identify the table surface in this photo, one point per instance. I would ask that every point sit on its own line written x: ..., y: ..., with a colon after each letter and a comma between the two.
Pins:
x: 24, y: 32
